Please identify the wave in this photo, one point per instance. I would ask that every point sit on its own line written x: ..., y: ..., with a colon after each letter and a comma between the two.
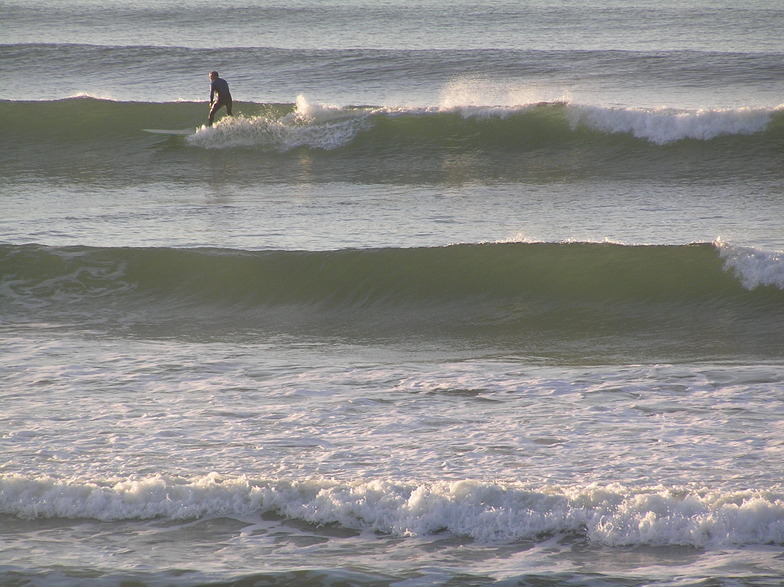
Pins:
x: 283, y: 127
x: 481, y: 127
x: 487, y: 512
x: 695, y: 298
x: 84, y: 138
x: 569, y: 271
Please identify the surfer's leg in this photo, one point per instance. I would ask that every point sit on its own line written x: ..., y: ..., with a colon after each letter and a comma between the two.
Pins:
x: 217, y: 106
x: 213, y: 110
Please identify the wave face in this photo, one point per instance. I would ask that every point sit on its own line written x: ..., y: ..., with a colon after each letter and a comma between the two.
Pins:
x: 487, y: 512
x: 472, y: 128
x: 550, y: 299
x: 283, y: 127
x: 84, y: 137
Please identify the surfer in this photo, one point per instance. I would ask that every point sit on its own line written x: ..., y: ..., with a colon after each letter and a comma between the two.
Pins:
x: 220, y: 87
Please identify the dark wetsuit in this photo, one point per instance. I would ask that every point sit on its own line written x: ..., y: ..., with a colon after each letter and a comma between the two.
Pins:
x: 221, y: 88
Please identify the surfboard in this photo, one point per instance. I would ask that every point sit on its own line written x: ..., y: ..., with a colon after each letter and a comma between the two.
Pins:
x: 171, y: 133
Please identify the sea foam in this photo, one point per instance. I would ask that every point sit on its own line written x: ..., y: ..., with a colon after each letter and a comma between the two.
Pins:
x: 328, y: 127
x: 666, y: 125
x: 317, y: 126
x: 486, y: 512
x: 752, y: 266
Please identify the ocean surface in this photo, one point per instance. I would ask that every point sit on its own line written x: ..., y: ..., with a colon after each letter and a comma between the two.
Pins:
x: 466, y: 293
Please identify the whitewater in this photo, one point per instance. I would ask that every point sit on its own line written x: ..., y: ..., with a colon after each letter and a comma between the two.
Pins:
x: 463, y: 294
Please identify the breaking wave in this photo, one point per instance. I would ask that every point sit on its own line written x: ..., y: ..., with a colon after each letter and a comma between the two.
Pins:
x: 486, y: 512
x: 284, y: 127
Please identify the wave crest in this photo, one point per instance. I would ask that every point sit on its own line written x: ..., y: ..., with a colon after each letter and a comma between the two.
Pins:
x: 470, y: 127
x: 665, y: 125
x: 754, y: 268
x: 556, y: 125
x: 487, y: 512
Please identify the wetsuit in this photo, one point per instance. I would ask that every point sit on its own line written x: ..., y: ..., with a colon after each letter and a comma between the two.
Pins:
x: 220, y: 87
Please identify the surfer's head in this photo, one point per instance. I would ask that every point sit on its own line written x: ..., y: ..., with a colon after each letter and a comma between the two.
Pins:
x: 213, y: 75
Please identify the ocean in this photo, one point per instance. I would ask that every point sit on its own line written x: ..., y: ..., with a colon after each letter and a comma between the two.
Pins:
x: 465, y: 293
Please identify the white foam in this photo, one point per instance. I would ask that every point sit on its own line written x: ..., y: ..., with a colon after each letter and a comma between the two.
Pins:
x: 487, y: 512
x: 752, y: 266
x: 665, y: 125
x: 318, y: 126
